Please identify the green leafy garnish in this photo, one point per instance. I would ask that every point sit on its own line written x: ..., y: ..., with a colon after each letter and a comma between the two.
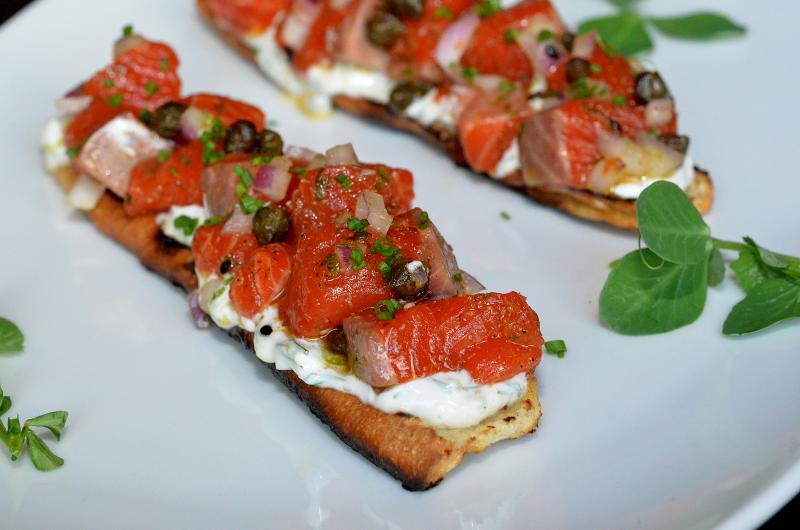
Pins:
x: 127, y: 30
x: 16, y: 436
x: 556, y: 347
x: 164, y: 155
x: 385, y: 309
x: 245, y: 177
x: 150, y: 88
x: 698, y: 26
x: 469, y: 73
x: 108, y: 83
x: 72, y: 152
x: 214, y: 220
x: 247, y: 202
x: 458, y: 277
x: 163, y: 64
x: 210, y: 138
x: 664, y: 286
x: 545, y: 35
x: 357, y: 225
x: 115, y: 100
x: 298, y: 170
x: 391, y: 254
x: 507, y: 86
x: 357, y: 259
x: 628, y: 31
x: 11, y: 338
x: 488, y: 8
x: 505, y: 216
x: 186, y: 224
x: 146, y: 116
x: 618, y: 100
x: 511, y: 35
x: 343, y: 180
x: 442, y: 13
x: 424, y: 220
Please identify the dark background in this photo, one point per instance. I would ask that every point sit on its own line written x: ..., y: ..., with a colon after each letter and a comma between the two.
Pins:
x: 781, y: 520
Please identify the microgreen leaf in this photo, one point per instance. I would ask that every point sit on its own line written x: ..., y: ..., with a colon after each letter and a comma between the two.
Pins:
x: 52, y: 421
x: 16, y: 441
x: 750, y: 271
x: 670, y: 224
x: 698, y: 26
x: 640, y: 298
x: 625, y: 32
x: 556, y: 347
x: 716, y: 267
x: 765, y: 304
x: 768, y: 257
x: 41, y: 455
x: 11, y: 338
x: 5, y: 403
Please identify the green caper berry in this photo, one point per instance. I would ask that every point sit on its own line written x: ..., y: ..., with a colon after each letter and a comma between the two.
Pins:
x: 269, y: 143
x: 649, y: 86
x: 383, y: 29
x: 270, y: 224
x: 240, y: 137
x: 166, y: 120
x: 405, y: 92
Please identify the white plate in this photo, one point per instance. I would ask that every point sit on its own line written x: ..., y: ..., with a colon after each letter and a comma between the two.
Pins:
x: 173, y: 427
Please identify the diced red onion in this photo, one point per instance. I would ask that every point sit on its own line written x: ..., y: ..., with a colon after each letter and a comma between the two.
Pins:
x: 544, y: 56
x: 658, y: 112
x: 344, y: 253
x: 455, y: 40
x: 85, y: 193
x: 239, y: 223
x: 317, y: 162
x: 208, y: 290
x: 69, y: 106
x: 273, y: 179
x: 301, y: 154
x: 370, y: 206
x: 341, y: 155
x: 194, y: 122
x: 583, y: 45
x: 470, y: 284
x: 127, y: 43
x: 198, y: 316
x: 298, y: 23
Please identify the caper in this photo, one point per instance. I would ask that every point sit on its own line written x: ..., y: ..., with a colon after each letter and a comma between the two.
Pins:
x: 166, y: 120
x: 407, y: 8
x: 568, y: 39
x: 269, y: 143
x: 240, y: 136
x: 578, y: 68
x: 676, y: 142
x: 405, y: 92
x: 383, y: 29
x: 649, y: 86
x: 409, y: 281
x: 270, y: 224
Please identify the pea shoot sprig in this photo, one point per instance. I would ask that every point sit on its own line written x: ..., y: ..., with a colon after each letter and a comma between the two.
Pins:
x: 663, y: 287
x: 16, y: 435
x: 628, y: 30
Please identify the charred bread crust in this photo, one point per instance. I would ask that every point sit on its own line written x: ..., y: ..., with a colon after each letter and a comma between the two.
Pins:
x: 580, y: 203
x: 414, y: 453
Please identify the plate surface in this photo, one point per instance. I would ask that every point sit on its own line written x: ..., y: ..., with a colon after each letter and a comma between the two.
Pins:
x: 173, y: 427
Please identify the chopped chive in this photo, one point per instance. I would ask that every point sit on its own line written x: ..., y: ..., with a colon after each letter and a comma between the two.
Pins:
x: 127, y: 30
x: 556, y: 347
x: 505, y: 216
x: 164, y: 155
x: 150, y: 88
x: 115, y: 100
x: 385, y: 309
x: 343, y: 180
x: 545, y: 35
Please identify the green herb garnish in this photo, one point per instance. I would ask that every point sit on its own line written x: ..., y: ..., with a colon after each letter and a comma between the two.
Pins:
x: 618, y: 100
x: 664, y: 286
x: 442, y: 13
x: 146, y: 116
x: 357, y: 259
x: 343, y: 180
x: 385, y: 309
x: 11, y: 338
x: 297, y: 170
x: 458, y: 277
x: 556, y: 347
x: 115, y: 100
x: 210, y: 138
x: 595, y: 68
x: 469, y: 73
x: 628, y: 31
x: 186, y: 224
x: 488, y: 8
x: 357, y: 225
x: 545, y: 35
x: 108, y: 83
x: 507, y: 86
x: 16, y: 436
x: 164, y: 155
x: 163, y: 64
x: 150, y: 88
x: 511, y: 35
x: 72, y: 152
x: 424, y: 220
x: 127, y: 30
x: 505, y: 216
x: 214, y: 220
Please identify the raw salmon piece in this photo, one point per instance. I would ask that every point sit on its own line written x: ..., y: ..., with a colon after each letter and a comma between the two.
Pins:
x: 262, y: 279
x: 211, y: 247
